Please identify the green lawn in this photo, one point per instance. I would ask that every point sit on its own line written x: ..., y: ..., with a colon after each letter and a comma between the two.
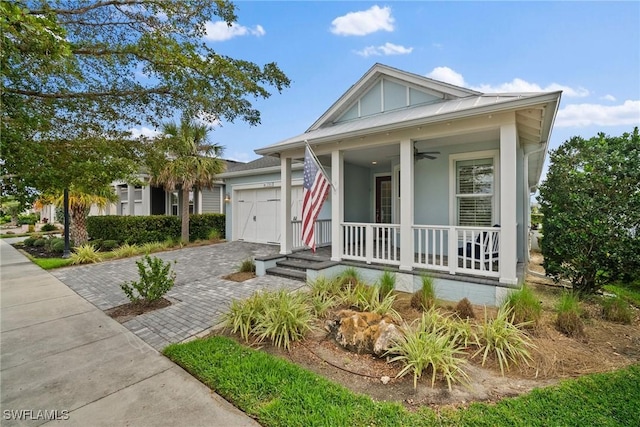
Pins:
x: 51, y: 263
x: 628, y: 291
x: 279, y: 393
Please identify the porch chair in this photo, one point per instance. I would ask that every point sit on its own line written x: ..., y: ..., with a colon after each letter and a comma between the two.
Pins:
x: 476, y: 254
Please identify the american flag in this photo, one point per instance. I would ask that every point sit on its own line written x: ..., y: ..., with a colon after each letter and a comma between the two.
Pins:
x: 315, y: 189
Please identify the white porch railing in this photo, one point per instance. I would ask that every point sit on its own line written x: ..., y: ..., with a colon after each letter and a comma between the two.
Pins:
x: 322, y: 233
x: 452, y: 249
x: 379, y: 243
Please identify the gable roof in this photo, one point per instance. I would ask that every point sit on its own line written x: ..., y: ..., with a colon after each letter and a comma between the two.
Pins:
x: 440, y: 89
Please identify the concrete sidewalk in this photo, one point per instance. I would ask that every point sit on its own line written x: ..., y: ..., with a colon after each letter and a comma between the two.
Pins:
x: 62, y: 357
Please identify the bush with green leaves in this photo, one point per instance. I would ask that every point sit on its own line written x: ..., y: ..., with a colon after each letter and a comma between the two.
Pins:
x: 387, y: 283
x: 39, y: 243
x: 324, y: 295
x: 503, y: 339
x: 126, y: 250
x: 247, y: 266
x: 427, y: 344
x: 424, y: 298
x: 108, y: 245
x: 591, y: 207
x: 349, y: 277
x: 29, y: 241
x: 616, y: 309
x: 156, y: 279
x: 568, y: 320
x: 53, y: 245
x: 369, y: 298
x: 278, y: 316
x: 525, y: 306
x: 85, y: 254
x: 48, y: 227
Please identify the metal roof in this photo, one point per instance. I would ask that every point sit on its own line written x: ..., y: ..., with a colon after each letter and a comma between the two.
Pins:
x: 429, y: 113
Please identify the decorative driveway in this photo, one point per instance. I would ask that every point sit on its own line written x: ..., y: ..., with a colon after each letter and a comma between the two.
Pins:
x: 198, y: 299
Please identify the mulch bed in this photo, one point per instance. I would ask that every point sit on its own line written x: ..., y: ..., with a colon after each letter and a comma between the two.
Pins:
x: 239, y: 276
x: 125, y: 312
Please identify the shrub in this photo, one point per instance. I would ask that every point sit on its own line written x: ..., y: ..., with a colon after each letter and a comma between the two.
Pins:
x: 503, y: 339
x: 278, y: 316
x: 58, y: 247
x: 424, y: 298
x: 368, y: 298
x: 426, y: 345
x: 285, y: 318
x: 525, y: 306
x: 85, y: 254
x: 53, y: 243
x: 322, y: 285
x: 126, y: 250
x: 214, y: 234
x: 156, y: 279
x: 349, y: 277
x: 39, y: 243
x: 152, y: 228
x: 242, y: 315
x: 387, y: 283
x: 108, y: 245
x: 324, y: 294
x: 48, y: 227
x: 568, y: 321
x: 150, y: 247
x: 464, y: 309
x: 247, y: 266
x: 31, y: 228
x: 616, y: 309
x: 29, y: 241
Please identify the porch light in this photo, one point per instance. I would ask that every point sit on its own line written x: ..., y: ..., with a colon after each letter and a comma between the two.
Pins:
x: 227, y: 198
x: 374, y: 163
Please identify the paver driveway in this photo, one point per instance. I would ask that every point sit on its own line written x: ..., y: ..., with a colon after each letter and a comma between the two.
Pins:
x: 198, y: 299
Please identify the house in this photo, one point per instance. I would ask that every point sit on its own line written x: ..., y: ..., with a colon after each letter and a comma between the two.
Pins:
x: 427, y: 176
x: 151, y: 200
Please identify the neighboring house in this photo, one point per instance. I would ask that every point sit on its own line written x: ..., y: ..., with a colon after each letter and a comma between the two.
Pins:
x: 428, y: 177
x: 152, y: 200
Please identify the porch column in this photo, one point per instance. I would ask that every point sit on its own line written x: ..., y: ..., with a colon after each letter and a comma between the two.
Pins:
x: 146, y: 199
x: 508, y: 196
x: 131, y: 199
x: 406, y: 205
x: 286, y: 230
x: 337, y: 203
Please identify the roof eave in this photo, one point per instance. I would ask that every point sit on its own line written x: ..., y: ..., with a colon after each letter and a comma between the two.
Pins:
x: 485, y: 109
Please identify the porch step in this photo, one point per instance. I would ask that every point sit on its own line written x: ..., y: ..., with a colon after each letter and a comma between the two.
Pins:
x: 287, y: 273
x: 294, y: 264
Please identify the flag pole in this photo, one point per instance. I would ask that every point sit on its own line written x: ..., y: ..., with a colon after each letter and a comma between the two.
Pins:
x: 324, y: 172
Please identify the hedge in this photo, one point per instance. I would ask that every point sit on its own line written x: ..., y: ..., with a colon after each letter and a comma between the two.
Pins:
x: 154, y: 228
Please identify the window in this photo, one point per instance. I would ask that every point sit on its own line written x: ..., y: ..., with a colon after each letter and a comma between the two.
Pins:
x: 174, y: 203
x: 475, y: 189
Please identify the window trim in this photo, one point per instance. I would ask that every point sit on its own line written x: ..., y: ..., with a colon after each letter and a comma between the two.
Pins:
x: 474, y: 155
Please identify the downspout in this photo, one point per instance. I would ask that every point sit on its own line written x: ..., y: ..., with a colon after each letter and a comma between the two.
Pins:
x: 527, y: 195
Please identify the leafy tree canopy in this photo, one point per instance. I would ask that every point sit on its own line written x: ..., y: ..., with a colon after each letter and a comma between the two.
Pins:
x: 591, y: 206
x: 75, y: 74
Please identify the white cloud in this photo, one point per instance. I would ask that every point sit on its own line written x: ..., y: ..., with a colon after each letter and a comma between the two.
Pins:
x: 580, y: 115
x: 385, y: 49
x: 519, y: 85
x: 608, y: 98
x: 220, y: 31
x: 144, y: 132
x: 447, y: 75
x: 363, y: 22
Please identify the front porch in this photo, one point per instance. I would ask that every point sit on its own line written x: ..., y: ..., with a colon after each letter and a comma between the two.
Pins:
x: 373, y: 248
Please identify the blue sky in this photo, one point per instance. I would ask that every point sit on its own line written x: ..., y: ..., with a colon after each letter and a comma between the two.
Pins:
x: 591, y: 50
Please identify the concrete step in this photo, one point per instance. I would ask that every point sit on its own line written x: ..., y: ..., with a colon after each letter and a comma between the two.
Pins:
x: 308, y: 256
x: 289, y: 274
x: 295, y: 264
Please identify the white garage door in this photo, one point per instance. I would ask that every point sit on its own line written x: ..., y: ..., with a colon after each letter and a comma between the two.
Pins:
x: 257, y: 213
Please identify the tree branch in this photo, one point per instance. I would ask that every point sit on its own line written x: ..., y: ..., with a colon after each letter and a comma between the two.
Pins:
x: 86, y: 9
x: 117, y: 93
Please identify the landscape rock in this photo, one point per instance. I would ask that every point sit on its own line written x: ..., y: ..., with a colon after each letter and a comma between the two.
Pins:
x: 363, y: 332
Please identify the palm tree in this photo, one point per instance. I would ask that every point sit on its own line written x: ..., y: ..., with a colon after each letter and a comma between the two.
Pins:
x: 80, y: 203
x: 185, y: 160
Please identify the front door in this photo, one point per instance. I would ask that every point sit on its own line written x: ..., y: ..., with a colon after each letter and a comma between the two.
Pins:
x: 383, y: 199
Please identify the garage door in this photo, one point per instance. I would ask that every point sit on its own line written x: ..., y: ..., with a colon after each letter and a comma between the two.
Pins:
x: 257, y: 213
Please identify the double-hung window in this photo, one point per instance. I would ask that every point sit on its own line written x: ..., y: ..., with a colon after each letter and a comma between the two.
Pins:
x: 475, y: 191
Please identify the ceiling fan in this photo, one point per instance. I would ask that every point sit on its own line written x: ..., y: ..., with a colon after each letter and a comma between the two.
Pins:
x: 431, y: 155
